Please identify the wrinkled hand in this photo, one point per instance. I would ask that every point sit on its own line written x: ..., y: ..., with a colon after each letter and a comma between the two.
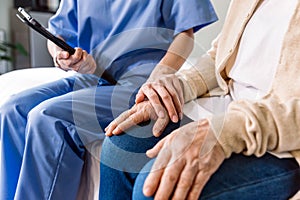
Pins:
x: 185, y: 161
x: 141, y: 112
x: 163, y: 90
x: 80, y: 61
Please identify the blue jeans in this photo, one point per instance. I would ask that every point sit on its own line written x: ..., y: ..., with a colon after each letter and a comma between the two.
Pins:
x: 44, y: 132
x: 124, y: 167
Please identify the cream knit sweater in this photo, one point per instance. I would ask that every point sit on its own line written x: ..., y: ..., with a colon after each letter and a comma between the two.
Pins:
x: 251, y: 127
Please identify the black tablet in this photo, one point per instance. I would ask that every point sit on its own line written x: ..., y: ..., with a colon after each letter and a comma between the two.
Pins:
x: 30, y: 21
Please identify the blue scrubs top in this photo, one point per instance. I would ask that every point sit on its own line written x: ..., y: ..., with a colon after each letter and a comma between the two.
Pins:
x: 121, y: 30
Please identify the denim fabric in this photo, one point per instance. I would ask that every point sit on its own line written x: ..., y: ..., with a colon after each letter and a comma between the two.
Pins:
x: 124, y: 168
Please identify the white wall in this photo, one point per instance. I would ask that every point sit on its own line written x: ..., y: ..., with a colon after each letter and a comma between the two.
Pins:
x: 5, y: 10
x: 5, y: 7
x: 204, y: 37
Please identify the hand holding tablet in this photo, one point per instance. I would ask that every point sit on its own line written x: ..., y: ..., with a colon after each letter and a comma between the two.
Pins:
x: 26, y: 18
x: 30, y: 21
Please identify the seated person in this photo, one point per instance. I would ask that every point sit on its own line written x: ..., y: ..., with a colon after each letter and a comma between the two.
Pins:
x: 45, y: 131
x: 240, y: 137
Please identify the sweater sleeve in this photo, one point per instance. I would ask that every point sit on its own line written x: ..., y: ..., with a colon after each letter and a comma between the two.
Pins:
x: 257, y: 127
x: 201, y: 77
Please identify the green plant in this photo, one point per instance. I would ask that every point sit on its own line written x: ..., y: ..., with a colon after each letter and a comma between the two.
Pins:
x: 6, y: 46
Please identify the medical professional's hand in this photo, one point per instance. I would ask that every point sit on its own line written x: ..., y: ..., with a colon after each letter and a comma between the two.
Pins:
x: 80, y: 61
x: 185, y: 161
x: 163, y: 90
x: 141, y: 112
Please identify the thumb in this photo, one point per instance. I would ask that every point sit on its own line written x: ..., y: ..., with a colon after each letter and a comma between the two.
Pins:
x: 62, y: 55
x: 139, y: 97
x: 151, y: 153
x: 160, y: 125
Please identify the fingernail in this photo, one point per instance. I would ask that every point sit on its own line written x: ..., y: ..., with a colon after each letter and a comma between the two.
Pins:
x: 115, y: 131
x: 146, y: 191
x: 175, y: 118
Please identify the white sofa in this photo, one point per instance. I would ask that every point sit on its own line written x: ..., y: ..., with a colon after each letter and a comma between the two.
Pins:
x: 19, y: 80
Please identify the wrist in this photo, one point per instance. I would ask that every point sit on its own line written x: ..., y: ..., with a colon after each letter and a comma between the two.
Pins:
x: 161, y: 70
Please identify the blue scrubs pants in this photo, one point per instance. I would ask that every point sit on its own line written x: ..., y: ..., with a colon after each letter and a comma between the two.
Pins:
x: 44, y: 131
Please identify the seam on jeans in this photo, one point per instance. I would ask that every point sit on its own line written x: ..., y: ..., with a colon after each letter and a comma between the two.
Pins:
x: 251, y: 183
x: 56, y: 172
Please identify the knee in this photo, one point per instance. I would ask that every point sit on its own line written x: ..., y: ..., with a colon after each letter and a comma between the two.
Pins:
x: 113, y: 154
x: 13, y: 106
x: 137, y: 139
x: 44, y: 116
x: 35, y: 116
x: 120, y: 153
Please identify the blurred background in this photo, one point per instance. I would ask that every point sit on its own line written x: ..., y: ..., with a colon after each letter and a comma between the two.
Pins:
x: 14, y: 32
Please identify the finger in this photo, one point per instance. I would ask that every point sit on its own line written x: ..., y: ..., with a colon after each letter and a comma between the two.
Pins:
x: 109, y: 129
x: 176, y: 101
x: 198, y: 185
x: 135, y: 116
x: 77, y: 56
x: 80, y: 63
x: 152, y: 96
x: 73, y: 62
x: 169, y: 180
x: 132, y: 120
x: 139, y: 97
x: 180, y: 98
x: 60, y: 58
x: 112, y: 126
x: 159, y: 126
x: 69, y: 62
x: 167, y: 101
x: 151, y: 153
x: 62, y: 55
x: 185, y: 182
x: 152, y: 181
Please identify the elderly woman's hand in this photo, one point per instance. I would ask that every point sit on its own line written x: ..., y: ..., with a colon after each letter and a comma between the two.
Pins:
x: 185, y: 161
x: 80, y: 61
x: 141, y: 112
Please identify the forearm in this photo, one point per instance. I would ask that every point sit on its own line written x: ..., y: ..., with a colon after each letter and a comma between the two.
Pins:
x: 177, y: 53
x: 179, y: 50
x: 200, y: 78
x: 255, y: 128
